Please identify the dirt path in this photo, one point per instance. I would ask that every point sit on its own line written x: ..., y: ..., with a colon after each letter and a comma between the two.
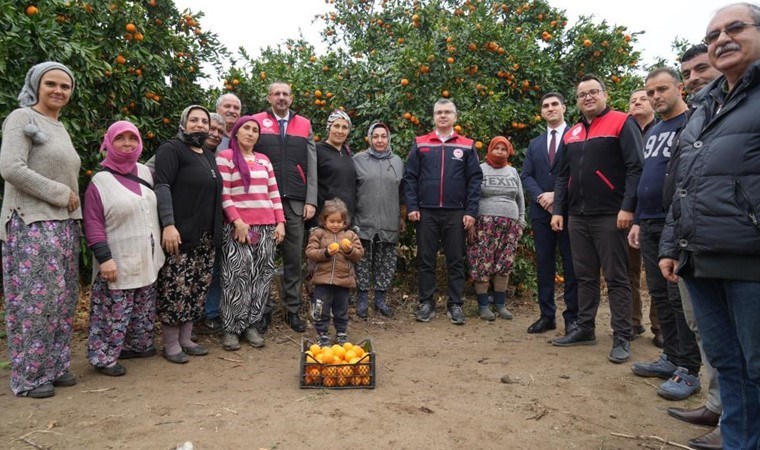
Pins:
x: 438, y: 386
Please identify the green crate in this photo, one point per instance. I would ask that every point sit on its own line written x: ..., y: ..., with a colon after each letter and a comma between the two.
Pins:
x: 360, y: 375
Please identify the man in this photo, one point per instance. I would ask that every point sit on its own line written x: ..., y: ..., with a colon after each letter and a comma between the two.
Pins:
x: 228, y: 106
x: 596, y: 186
x: 697, y: 73
x: 696, y: 69
x: 216, y: 131
x: 538, y: 177
x: 287, y: 140
x: 442, y: 190
x: 712, y: 237
x: 680, y: 360
x: 640, y: 109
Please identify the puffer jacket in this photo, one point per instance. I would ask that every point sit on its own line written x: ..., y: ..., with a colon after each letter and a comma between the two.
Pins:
x: 714, y: 214
x: 337, y: 269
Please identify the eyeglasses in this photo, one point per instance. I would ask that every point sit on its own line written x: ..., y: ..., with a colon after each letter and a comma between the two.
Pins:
x: 731, y: 30
x: 590, y: 93
x: 444, y: 112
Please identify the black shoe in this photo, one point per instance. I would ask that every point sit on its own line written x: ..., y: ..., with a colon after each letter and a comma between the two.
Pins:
x: 116, y: 370
x: 570, y: 327
x: 296, y: 323
x: 621, y: 350
x: 542, y: 325
x: 710, y: 441
x: 638, y: 330
x: 129, y: 354
x: 577, y: 337
x: 657, y: 340
x: 65, y: 380
x: 263, y: 325
x: 209, y: 326
x: 44, y: 391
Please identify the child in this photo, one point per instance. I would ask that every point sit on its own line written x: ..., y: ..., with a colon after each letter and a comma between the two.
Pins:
x: 334, y: 249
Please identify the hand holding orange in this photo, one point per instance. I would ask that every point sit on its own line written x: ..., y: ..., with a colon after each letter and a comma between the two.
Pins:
x: 333, y: 248
x: 346, y: 244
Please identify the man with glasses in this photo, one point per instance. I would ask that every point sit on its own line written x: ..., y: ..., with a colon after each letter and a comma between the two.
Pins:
x: 712, y: 236
x: 596, y: 186
x: 287, y: 140
x: 442, y: 190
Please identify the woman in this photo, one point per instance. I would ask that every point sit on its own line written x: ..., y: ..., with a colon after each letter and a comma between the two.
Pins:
x: 40, y: 233
x: 378, y: 191
x: 501, y: 219
x: 188, y: 189
x: 255, y: 223
x: 336, y: 174
x: 122, y: 230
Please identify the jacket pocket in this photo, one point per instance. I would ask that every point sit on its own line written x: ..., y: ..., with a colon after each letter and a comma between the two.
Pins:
x: 743, y: 200
x: 605, y: 180
x: 301, y: 173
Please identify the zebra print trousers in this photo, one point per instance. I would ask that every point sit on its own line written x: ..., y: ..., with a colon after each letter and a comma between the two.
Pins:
x: 245, y: 274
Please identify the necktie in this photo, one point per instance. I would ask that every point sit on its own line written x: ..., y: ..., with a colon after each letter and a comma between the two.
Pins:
x: 282, y: 123
x: 552, y: 147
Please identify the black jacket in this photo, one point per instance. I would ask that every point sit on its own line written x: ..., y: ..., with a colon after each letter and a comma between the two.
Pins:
x: 713, y: 224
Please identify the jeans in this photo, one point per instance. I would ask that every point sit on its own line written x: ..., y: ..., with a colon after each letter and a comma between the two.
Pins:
x: 598, y: 244
x: 728, y: 314
x: 680, y: 345
x: 436, y: 228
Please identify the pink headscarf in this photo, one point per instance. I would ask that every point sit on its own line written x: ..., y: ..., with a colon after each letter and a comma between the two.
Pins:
x: 116, y: 160
x: 237, y: 156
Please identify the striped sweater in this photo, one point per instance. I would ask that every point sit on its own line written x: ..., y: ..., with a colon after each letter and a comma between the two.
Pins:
x: 261, y: 205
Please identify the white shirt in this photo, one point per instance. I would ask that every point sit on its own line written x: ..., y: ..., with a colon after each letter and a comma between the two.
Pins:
x: 560, y: 130
x: 286, y: 119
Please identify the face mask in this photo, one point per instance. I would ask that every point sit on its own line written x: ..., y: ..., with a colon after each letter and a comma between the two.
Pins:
x: 194, y: 139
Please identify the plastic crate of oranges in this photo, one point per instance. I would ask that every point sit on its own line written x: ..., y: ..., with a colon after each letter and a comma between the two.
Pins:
x: 347, y: 366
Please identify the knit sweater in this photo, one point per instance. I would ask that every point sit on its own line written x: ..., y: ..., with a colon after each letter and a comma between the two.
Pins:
x: 501, y: 193
x: 39, y: 178
x: 261, y: 204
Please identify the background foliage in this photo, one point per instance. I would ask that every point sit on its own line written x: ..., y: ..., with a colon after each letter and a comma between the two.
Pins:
x: 386, y: 60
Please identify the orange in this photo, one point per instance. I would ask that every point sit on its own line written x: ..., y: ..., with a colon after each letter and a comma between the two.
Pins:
x: 350, y: 354
x: 329, y: 382
x: 358, y: 350
x: 333, y: 247
x: 345, y: 370
x: 348, y: 345
x: 365, y: 381
x: 31, y: 10
x: 362, y: 369
x: 342, y: 381
x: 327, y: 354
x: 315, y: 349
x: 131, y: 28
x: 339, y: 351
x: 587, y: 43
x: 320, y: 358
x: 404, y: 82
x: 346, y: 243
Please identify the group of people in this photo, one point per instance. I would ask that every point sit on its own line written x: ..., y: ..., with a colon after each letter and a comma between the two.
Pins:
x: 191, y: 236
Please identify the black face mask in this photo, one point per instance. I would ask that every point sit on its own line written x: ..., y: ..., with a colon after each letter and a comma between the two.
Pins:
x: 193, y: 139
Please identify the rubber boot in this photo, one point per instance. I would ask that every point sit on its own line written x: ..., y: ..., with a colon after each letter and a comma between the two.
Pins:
x: 500, y: 300
x: 484, y: 311
x: 362, y: 304
x: 381, y: 305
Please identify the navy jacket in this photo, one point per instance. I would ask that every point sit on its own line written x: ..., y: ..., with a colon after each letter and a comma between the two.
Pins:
x: 537, y: 176
x: 443, y: 175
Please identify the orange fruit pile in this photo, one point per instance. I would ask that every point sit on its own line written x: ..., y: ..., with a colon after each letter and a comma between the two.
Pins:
x: 337, y: 366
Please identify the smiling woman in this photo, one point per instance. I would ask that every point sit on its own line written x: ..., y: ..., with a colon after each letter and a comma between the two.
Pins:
x: 40, y: 233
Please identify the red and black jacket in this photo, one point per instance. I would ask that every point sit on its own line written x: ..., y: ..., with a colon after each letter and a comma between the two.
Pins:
x: 289, y: 157
x: 600, y: 167
x: 443, y: 175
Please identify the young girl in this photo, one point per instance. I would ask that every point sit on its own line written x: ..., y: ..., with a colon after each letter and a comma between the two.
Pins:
x: 334, y: 249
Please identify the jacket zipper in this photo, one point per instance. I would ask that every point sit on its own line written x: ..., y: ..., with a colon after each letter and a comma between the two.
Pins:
x: 334, y: 258
x: 750, y: 212
x: 440, y: 195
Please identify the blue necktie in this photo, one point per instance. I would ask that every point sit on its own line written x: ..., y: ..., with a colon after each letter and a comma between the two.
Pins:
x: 282, y: 123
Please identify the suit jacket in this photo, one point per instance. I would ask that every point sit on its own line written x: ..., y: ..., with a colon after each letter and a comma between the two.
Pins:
x: 537, y: 176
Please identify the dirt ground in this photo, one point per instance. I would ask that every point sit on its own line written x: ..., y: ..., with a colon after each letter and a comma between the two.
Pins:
x: 438, y: 386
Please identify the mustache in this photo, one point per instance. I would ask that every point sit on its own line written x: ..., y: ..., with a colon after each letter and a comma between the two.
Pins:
x: 728, y: 46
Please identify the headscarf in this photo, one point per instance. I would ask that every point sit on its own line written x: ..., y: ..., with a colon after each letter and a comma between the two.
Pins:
x: 335, y: 115
x: 237, y: 156
x: 195, y: 139
x: 115, y: 159
x: 499, y: 162
x: 28, y: 94
x: 388, y: 152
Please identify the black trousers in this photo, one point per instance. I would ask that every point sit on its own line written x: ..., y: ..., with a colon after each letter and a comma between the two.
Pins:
x: 441, y: 228
x: 331, y: 299
x: 547, y: 241
x: 680, y: 344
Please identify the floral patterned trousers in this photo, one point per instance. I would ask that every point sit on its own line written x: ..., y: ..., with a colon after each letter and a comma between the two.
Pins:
x: 41, y: 286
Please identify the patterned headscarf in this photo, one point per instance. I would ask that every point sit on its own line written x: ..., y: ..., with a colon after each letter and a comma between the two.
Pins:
x: 335, y: 115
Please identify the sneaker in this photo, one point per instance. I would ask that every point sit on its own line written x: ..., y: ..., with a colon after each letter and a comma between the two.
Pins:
x: 341, y: 338
x: 575, y: 337
x: 254, y: 338
x: 680, y: 386
x: 230, y: 342
x: 456, y: 315
x: 425, y: 312
x: 324, y: 340
x: 621, y: 350
x: 662, y: 368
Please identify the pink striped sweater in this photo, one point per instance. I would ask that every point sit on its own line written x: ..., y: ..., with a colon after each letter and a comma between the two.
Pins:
x: 261, y: 205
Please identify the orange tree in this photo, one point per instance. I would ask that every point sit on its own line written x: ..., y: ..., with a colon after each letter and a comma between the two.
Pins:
x: 390, y: 60
x: 134, y: 60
